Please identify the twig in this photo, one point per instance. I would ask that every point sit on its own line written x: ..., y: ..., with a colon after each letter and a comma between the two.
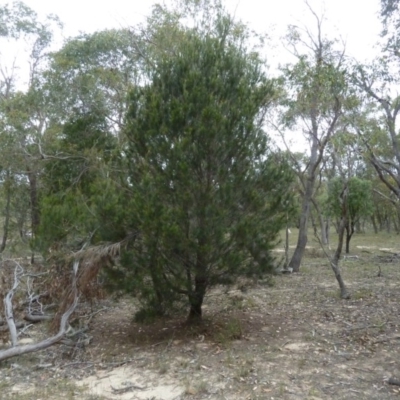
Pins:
x: 386, y: 339
x: 127, y: 389
x: 93, y: 314
x: 37, y: 318
x: 22, y: 332
x: 77, y: 363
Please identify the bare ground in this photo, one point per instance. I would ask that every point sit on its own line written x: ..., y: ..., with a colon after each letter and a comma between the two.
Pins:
x: 290, y: 337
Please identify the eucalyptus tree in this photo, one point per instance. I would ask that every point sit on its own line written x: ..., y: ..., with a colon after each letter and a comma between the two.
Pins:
x: 316, y: 90
x: 22, y: 117
x: 93, y: 73
x: 376, y: 122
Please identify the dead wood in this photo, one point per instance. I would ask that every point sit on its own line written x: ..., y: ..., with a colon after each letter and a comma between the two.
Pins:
x: 8, y: 307
x: 18, y: 325
x: 30, y: 348
x: 127, y: 389
x: 387, y: 339
x: 37, y: 318
x: 92, y: 260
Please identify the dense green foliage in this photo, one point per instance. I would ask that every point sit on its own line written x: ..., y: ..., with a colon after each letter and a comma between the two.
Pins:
x: 210, y: 194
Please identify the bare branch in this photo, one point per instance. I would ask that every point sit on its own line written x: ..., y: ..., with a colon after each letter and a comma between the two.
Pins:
x: 30, y: 348
x: 8, y: 308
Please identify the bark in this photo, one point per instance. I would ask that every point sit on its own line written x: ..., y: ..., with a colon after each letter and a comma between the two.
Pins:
x: 324, y: 236
x: 7, y: 214
x: 8, y: 308
x: 344, y: 294
x: 374, y: 225
x: 327, y: 231
x: 287, y: 247
x: 196, y: 296
x: 33, y: 193
x: 349, y: 235
x: 196, y: 299
x: 34, y: 202
x: 324, y: 224
x: 305, y: 207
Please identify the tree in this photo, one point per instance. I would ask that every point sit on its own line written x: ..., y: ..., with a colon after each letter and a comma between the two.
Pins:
x: 209, y: 194
x: 316, y: 90
x: 358, y: 202
x: 22, y: 114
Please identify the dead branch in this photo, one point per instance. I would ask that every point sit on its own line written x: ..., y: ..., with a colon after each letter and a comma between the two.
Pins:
x: 30, y: 348
x: 18, y: 325
x: 37, y: 318
x: 387, y: 339
x: 8, y: 308
x: 127, y: 389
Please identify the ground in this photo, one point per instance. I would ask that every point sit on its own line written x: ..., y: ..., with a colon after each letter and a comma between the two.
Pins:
x: 287, y: 337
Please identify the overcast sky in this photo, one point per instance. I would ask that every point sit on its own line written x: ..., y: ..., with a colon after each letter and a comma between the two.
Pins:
x: 356, y: 21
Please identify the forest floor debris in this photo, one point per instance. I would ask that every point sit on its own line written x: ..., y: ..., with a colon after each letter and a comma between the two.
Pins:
x: 288, y: 337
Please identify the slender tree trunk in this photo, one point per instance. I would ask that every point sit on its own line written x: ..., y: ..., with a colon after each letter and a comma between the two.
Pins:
x: 327, y: 230
x: 374, y: 225
x: 196, y: 296
x: 348, y: 238
x: 287, y: 245
x: 322, y: 222
x: 6, y: 225
x: 196, y: 299
x: 388, y: 224
x: 324, y: 237
x: 35, y: 210
x: 305, y: 208
x: 344, y: 294
x: 33, y: 193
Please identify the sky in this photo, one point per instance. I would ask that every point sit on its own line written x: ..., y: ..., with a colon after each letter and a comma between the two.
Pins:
x: 354, y: 21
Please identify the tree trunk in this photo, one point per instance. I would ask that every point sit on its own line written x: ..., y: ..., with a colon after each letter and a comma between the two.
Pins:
x: 287, y: 245
x: 344, y: 294
x: 196, y: 299
x: 374, y: 224
x: 35, y: 210
x: 33, y: 193
x: 6, y: 225
x: 327, y: 230
x: 348, y: 238
x: 324, y: 236
x: 196, y: 296
x: 305, y: 208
